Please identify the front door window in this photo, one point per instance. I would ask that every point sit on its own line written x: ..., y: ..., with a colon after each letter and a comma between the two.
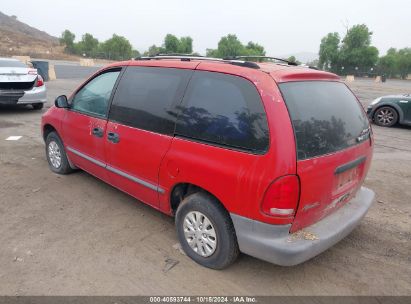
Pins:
x: 94, y: 97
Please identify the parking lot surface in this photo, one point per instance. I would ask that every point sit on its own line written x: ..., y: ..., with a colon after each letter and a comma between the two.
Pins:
x: 75, y: 235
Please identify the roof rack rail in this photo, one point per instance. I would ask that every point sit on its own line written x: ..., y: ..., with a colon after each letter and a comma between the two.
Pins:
x: 179, y: 54
x: 183, y: 57
x: 261, y: 57
x: 189, y: 57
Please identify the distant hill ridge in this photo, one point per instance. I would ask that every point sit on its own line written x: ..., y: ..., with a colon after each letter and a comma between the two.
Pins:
x: 19, y: 38
x: 11, y: 24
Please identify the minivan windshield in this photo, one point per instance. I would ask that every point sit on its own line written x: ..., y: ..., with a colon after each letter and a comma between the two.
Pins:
x: 326, y: 117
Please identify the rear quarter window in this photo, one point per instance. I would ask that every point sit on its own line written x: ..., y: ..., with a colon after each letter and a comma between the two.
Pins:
x: 326, y: 117
x: 225, y: 110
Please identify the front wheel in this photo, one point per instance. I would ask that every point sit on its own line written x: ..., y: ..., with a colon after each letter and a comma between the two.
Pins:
x: 56, y: 155
x: 206, y: 232
x: 385, y: 117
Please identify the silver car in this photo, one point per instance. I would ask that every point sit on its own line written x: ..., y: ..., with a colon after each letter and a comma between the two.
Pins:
x: 20, y: 84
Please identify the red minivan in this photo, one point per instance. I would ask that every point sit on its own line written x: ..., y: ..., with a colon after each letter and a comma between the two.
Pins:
x: 262, y: 158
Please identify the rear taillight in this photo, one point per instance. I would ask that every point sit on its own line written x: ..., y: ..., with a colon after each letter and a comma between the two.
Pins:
x: 281, y: 197
x: 40, y: 81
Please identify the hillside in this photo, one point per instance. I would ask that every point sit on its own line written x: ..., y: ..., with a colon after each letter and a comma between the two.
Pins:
x: 18, y: 38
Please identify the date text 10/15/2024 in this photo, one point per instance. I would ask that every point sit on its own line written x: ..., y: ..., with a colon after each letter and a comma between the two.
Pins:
x: 203, y: 299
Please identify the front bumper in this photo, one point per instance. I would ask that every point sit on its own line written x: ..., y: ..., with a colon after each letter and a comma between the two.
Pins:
x: 274, y: 243
x: 35, y: 95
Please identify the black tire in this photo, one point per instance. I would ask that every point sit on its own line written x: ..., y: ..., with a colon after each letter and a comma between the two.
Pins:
x: 64, y: 166
x: 38, y: 106
x: 385, y: 116
x: 226, y: 250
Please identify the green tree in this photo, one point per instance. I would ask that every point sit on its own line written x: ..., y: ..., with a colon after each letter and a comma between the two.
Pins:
x: 88, y: 45
x: 353, y: 53
x: 171, y: 44
x: 293, y: 59
x: 388, y: 64
x: 135, y: 54
x: 254, y: 49
x: 186, y: 45
x: 212, y: 53
x: 356, y: 50
x: 314, y: 63
x: 396, y: 63
x: 358, y: 36
x: 329, y: 52
x: 117, y: 48
x: 154, y: 50
x: 404, y: 62
x: 231, y: 46
x: 67, y: 39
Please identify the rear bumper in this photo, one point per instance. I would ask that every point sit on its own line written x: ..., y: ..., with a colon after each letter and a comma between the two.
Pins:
x: 35, y: 95
x: 274, y: 243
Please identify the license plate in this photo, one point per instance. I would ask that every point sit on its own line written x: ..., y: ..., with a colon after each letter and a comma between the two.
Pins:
x: 347, y: 177
x: 13, y: 78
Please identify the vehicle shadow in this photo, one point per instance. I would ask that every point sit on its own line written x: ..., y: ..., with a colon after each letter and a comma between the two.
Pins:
x: 403, y: 127
x: 142, y: 212
x: 17, y: 109
x: 394, y: 127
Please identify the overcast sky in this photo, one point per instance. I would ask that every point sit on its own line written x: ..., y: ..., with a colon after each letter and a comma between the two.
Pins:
x: 282, y: 27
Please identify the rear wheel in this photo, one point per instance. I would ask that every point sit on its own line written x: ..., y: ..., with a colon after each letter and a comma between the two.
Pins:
x: 206, y: 232
x: 56, y: 155
x: 385, y: 117
x: 38, y: 106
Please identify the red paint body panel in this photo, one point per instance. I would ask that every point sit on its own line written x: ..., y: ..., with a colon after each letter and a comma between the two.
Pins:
x: 323, y: 191
x: 238, y: 179
x: 76, y: 129
x: 53, y: 118
x: 139, y: 154
x: 285, y: 73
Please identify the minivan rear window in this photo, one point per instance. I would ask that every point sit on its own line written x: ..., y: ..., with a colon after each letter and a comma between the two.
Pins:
x: 326, y: 117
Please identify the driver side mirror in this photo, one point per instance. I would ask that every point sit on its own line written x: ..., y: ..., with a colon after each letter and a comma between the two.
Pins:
x: 61, y: 102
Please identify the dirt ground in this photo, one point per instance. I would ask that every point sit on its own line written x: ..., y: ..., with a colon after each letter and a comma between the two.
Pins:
x: 75, y: 235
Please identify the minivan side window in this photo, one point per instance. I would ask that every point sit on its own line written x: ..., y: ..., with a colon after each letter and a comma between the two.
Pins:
x: 225, y: 110
x: 94, y: 97
x: 146, y: 96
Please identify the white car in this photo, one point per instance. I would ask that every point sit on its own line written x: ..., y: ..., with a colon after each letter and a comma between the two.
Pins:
x: 20, y: 84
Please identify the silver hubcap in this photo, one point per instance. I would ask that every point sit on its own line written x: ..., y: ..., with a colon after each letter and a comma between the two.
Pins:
x: 54, y: 154
x: 385, y: 116
x: 200, y: 233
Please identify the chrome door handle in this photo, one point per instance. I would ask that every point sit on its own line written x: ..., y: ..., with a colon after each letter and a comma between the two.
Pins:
x: 98, y: 132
